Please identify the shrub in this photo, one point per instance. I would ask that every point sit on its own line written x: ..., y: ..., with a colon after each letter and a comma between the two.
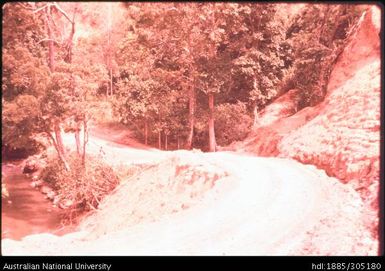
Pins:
x: 288, y: 81
x: 83, y: 186
x: 232, y: 123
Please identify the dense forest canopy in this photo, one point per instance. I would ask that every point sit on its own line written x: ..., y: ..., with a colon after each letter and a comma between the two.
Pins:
x: 181, y: 75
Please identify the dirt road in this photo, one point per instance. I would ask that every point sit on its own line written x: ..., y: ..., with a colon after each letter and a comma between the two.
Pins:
x: 264, y: 206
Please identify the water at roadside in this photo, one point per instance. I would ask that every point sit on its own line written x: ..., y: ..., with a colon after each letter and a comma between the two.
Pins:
x: 26, y: 211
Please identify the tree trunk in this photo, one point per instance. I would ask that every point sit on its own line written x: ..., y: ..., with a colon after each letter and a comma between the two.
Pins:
x: 109, y: 49
x: 111, y: 90
x: 145, y: 131
x: 59, y: 139
x: 85, y: 140
x: 165, y: 142
x: 256, y: 117
x: 159, y: 140
x: 58, y: 143
x: 77, y: 139
x: 51, y: 51
x: 61, y: 157
x: 51, y: 48
x: 191, y: 117
x: 178, y: 143
x: 212, y: 143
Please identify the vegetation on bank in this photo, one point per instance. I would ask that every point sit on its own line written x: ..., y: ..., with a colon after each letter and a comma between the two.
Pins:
x: 83, y: 187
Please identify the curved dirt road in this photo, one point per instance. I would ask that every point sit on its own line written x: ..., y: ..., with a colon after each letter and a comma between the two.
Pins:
x: 265, y: 206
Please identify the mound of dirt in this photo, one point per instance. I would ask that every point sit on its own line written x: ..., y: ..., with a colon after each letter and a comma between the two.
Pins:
x: 170, y: 186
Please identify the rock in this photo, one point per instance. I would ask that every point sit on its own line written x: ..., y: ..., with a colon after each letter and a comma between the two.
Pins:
x: 66, y: 203
x: 46, y: 189
x: 38, y: 183
x: 51, y: 195
x: 56, y: 200
x: 32, y: 165
x: 4, y: 191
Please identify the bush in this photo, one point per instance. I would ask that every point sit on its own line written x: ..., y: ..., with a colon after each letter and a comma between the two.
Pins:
x: 101, y: 112
x: 11, y: 152
x: 83, y: 187
x: 288, y: 81
x: 232, y: 123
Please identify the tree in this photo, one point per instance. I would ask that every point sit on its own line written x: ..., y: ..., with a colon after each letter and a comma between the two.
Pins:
x: 63, y: 94
x: 201, y: 47
x: 24, y: 76
x: 242, y: 45
x: 316, y: 45
x: 60, y: 82
x: 209, y: 54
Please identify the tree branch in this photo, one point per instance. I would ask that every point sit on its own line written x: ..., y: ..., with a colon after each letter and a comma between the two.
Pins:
x: 26, y: 6
x: 52, y: 20
x: 41, y: 8
x: 47, y: 39
x: 56, y: 5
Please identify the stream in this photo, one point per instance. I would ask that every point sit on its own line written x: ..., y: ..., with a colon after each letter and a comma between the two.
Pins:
x: 26, y: 211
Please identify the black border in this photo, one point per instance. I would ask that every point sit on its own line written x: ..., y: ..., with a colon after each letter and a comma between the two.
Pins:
x: 236, y: 262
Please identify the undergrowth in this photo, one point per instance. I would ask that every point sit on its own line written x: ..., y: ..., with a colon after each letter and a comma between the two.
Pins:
x: 83, y: 186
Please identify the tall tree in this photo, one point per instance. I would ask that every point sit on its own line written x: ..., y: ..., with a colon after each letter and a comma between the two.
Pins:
x: 50, y: 24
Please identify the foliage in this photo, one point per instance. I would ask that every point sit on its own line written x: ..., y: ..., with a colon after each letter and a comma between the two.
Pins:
x: 19, y: 122
x: 24, y: 77
x: 233, y: 50
x: 316, y: 45
x: 22, y: 28
x: 233, y: 121
x: 157, y: 61
x: 85, y: 187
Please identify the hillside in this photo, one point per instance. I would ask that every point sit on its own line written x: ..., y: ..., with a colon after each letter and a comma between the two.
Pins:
x: 340, y: 135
